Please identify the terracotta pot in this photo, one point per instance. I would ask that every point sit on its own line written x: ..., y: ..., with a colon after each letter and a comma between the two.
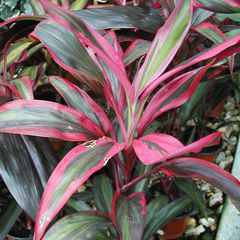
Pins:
x: 175, y: 228
x: 217, y: 111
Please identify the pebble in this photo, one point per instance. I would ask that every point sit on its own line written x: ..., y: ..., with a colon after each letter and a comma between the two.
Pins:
x: 206, y: 187
x: 207, y: 222
x: 215, y: 199
x: 221, y: 157
x: 191, y: 222
x: 81, y: 189
x: 195, y: 231
x: 160, y: 232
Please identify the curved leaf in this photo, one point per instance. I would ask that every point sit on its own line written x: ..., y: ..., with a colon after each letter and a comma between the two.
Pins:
x: 172, y: 95
x: 128, y: 214
x: 146, y: 19
x: 102, y: 193
x: 83, y: 225
x: 137, y: 49
x: 219, y: 51
x: 67, y: 51
x: 9, y: 218
x: 46, y: 119
x: 72, y: 171
x: 88, y: 37
x: 157, y: 147
x: 165, y: 45
x: 192, y: 191
x: 209, y: 172
x: 220, y: 6
x: 25, y: 165
x: 166, y: 214
x: 22, y: 88
x: 78, y: 99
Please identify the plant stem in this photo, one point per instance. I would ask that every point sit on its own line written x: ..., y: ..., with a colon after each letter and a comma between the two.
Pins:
x: 116, y: 176
x: 138, y: 179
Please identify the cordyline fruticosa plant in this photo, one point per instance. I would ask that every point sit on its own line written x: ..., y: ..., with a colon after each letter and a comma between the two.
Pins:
x: 119, y: 140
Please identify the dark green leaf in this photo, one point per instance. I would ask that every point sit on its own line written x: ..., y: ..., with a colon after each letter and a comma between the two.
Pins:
x: 83, y: 225
x: 8, y: 219
x: 167, y: 213
x: 102, y: 193
x: 25, y: 165
x: 190, y: 188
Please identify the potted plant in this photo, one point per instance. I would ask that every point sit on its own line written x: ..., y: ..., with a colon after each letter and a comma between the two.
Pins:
x: 112, y: 132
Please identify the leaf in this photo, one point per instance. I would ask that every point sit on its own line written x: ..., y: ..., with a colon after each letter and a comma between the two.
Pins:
x: 14, y: 52
x: 25, y: 165
x: 8, y: 219
x: 141, y: 186
x: 220, y: 6
x: 128, y: 214
x: 18, y: 26
x: 156, y: 147
x: 67, y: 51
x: 164, y: 46
x: 200, y: 15
x: 145, y: 19
x: 102, y: 193
x: 80, y: 100
x: 166, y: 214
x: 172, y: 95
x: 72, y: 171
x: 22, y: 88
x: 213, y: 33
x: 219, y: 52
x: 154, y: 206
x: 91, y: 39
x: 46, y: 119
x: 83, y: 225
x: 209, y: 172
x: 189, y: 187
x: 137, y: 49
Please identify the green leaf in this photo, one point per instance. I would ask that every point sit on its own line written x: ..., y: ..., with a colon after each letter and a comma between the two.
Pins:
x: 67, y: 51
x: 128, y: 214
x: 8, y: 219
x: 71, y: 173
x: 25, y: 165
x: 14, y: 52
x: 83, y: 225
x: 102, y: 193
x: 190, y: 188
x: 166, y: 214
x: 141, y: 186
x: 165, y: 45
x: 154, y: 206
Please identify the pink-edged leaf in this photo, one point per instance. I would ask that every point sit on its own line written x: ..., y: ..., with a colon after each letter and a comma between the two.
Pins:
x: 128, y: 214
x: 81, y: 225
x: 137, y: 49
x: 165, y: 45
x: 213, y: 33
x: 89, y: 37
x: 72, y: 171
x: 80, y: 100
x: 47, y: 119
x: 13, y: 52
x: 113, y: 82
x: 220, y: 6
x: 22, y: 88
x: 172, y: 95
x: 200, y: 169
x: 221, y: 51
x: 157, y: 147
x: 67, y: 51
